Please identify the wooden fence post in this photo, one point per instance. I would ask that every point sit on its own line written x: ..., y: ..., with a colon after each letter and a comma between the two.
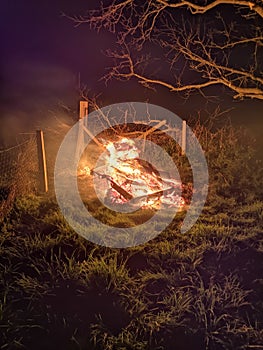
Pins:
x: 42, y: 161
x: 83, y: 112
x: 183, y: 145
x: 83, y: 109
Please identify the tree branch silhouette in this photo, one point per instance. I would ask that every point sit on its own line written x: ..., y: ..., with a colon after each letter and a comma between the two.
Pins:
x: 200, y: 45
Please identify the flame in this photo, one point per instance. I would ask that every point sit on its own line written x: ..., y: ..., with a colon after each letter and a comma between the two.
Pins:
x: 131, y: 179
x: 84, y: 171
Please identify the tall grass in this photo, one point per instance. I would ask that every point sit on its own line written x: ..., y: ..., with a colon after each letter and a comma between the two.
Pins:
x: 200, y: 290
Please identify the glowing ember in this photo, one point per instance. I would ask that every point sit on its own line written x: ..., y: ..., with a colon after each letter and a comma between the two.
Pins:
x: 132, y: 179
x: 84, y: 171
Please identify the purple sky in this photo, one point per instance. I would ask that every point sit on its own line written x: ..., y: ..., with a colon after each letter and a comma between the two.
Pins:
x: 37, y: 40
x: 42, y: 53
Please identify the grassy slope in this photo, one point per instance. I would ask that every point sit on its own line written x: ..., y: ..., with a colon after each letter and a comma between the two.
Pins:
x: 200, y: 290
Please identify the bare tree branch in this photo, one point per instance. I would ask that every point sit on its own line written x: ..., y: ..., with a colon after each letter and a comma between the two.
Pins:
x: 199, y: 9
x: 196, y: 50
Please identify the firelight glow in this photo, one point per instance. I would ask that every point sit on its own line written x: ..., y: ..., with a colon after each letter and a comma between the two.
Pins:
x: 131, y: 179
x: 156, y: 183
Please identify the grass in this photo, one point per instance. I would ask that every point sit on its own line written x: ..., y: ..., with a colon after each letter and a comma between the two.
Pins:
x: 200, y: 290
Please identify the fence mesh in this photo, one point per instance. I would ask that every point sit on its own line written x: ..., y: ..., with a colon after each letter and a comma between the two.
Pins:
x: 18, y: 172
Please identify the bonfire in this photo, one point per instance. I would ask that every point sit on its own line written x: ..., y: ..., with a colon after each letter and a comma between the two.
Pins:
x: 132, y: 180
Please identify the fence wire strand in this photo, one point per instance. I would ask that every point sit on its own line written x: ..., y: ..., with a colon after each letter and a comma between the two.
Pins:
x: 18, y: 173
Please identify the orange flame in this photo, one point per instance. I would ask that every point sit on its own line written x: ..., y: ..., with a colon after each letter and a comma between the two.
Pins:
x: 131, y: 178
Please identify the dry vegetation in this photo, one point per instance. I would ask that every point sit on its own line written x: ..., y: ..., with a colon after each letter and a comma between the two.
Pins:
x: 200, y: 290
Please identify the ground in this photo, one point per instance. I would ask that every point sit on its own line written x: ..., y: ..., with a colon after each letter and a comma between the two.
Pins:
x: 198, y: 290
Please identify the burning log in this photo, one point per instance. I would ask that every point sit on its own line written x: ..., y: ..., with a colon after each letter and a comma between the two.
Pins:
x: 114, y: 185
x: 131, y: 179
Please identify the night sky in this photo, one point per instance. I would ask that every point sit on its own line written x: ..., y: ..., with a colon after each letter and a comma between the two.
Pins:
x: 42, y: 54
x: 42, y: 50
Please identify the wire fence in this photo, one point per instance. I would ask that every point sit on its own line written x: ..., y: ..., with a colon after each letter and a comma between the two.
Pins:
x: 19, y: 172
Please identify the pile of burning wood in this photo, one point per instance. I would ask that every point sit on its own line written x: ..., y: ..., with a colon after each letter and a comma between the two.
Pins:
x: 132, y: 180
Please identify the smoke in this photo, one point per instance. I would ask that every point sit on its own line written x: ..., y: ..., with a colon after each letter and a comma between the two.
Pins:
x: 35, y: 96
